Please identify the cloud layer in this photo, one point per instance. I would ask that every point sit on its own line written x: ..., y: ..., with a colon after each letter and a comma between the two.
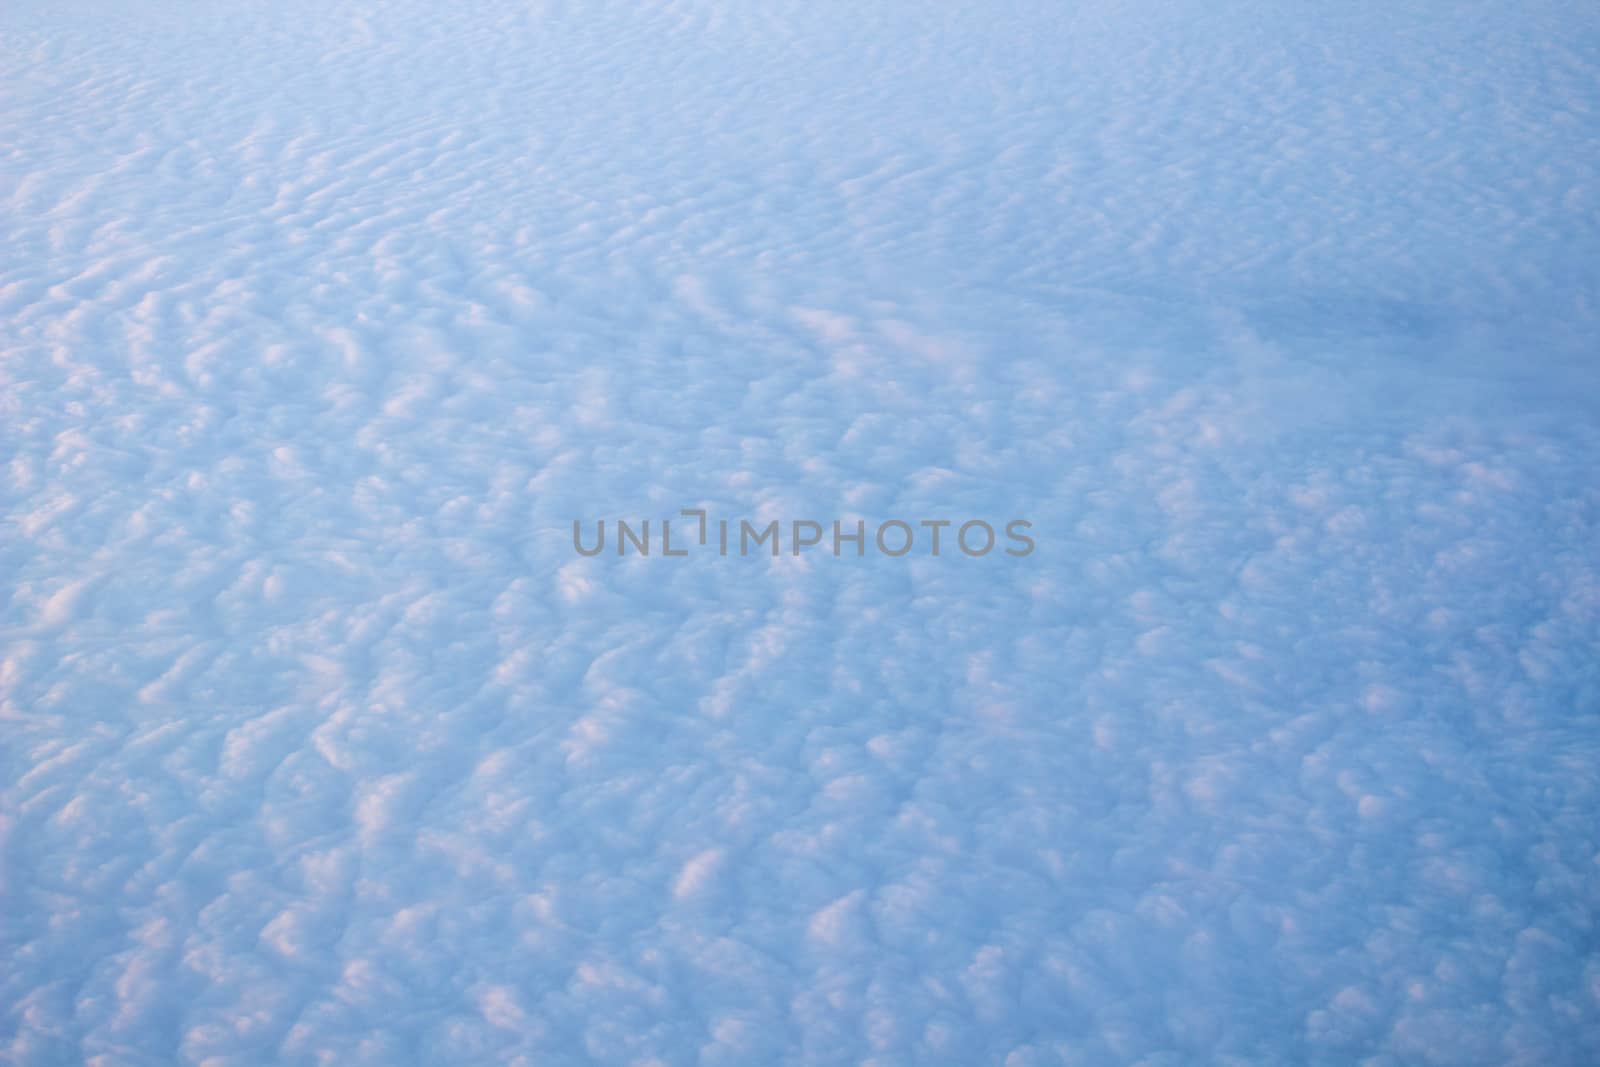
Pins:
x: 321, y: 323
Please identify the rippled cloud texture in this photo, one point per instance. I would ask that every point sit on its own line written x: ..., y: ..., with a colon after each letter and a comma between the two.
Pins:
x: 320, y: 324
